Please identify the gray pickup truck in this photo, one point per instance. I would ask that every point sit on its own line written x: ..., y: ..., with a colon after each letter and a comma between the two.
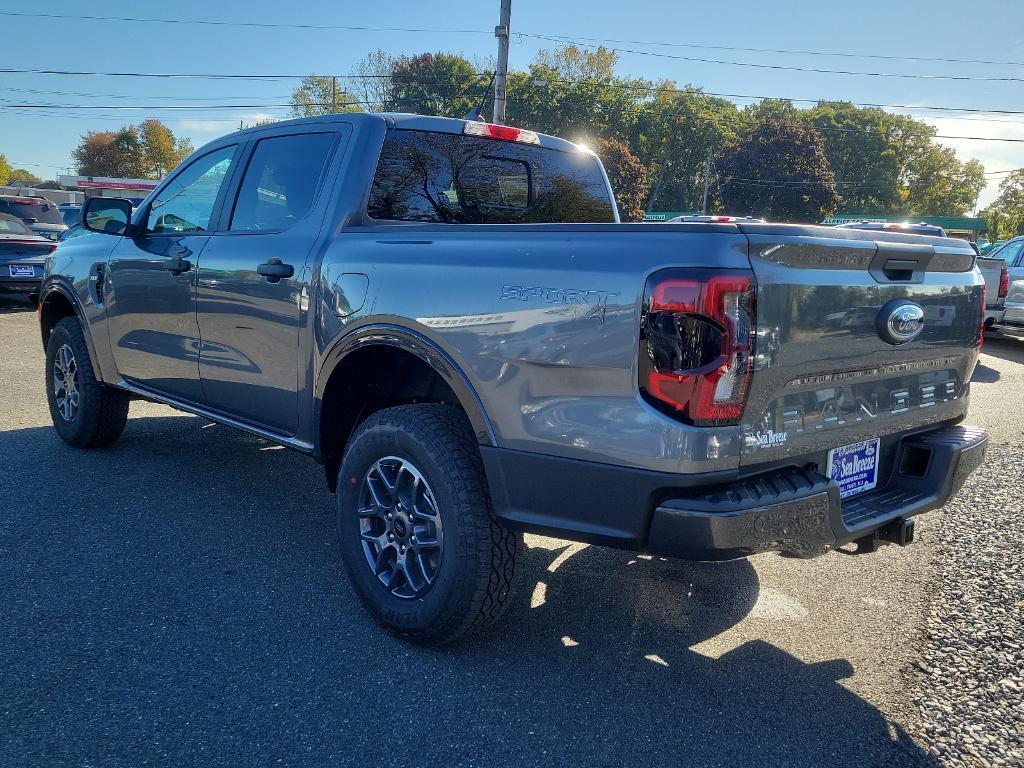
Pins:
x: 448, y: 316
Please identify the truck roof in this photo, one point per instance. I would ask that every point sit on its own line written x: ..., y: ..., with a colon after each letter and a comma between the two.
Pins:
x: 400, y: 121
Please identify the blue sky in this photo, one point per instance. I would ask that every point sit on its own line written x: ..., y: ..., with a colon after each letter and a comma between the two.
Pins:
x: 944, y: 29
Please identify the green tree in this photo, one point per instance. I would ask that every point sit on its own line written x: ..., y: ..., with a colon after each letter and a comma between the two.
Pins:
x: 442, y: 84
x: 627, y: 175
x: 866, y: 164
x: 939, y: 184
x: 5, y: 169
x: 24, y: 176
x: 1005, y: 216
x: 572, y: 92
x: 681, y: 129
x: 778, y: 170
x: 320, y: 95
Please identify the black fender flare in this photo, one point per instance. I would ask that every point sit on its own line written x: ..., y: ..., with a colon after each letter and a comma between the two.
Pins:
x: 426, y: 350
x: 53, y: 287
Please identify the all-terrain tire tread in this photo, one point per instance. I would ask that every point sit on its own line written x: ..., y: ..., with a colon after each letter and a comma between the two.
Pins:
x: 104, y: 409
x: 448, y: 434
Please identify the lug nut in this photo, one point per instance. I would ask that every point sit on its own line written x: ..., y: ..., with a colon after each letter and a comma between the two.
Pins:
x: 389, y: 515
x: 391, y: 537
x: 402, y: 549
x: 413, y: 539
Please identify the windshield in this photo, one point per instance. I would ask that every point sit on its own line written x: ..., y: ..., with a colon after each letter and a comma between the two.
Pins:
x: 32, y: 211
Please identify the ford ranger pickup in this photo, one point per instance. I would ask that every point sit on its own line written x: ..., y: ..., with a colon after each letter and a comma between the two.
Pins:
x: 449, y: 317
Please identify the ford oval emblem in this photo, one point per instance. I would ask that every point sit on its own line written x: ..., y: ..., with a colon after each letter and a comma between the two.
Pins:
x: 900, y: 321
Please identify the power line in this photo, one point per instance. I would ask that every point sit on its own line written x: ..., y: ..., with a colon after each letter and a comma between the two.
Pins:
x: 791, y: 68
x: 414, y: 78
x: 537, y: 36
x: 265, y: 25
x: 787, y: 51
x: 700, y: 92
x: 205, y: 76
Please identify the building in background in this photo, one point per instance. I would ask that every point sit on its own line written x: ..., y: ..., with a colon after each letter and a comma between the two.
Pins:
x: 106, y: 186
x: 56, y: 195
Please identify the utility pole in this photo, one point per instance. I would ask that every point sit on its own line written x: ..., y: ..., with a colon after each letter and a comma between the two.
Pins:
x: 334, y: 93
x: 707, y: 182
x: 502, y: 32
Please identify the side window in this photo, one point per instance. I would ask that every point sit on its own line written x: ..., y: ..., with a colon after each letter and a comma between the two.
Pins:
x: 186, y: 203
x: 281, y: 181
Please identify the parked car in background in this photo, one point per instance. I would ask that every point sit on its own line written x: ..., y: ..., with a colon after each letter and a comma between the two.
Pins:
x: 73, y: 231
x: 701, y: 218
x: 42, y: 216
x: 71, y: 213
x: 905, y: 227
x: 22, y: 257
x: 988, y: 247
x: 1012, y: 254
x: 996, y: 275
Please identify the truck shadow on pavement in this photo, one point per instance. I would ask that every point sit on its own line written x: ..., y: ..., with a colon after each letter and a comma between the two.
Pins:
x: 1006, y: 344
x: 179, y: 599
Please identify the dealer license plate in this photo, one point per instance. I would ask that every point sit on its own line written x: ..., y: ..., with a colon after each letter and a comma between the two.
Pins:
x: 854, y: 467
x: 22, y: 270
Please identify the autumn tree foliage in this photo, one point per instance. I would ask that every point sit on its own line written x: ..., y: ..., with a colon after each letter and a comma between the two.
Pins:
x: 148, y: 150
x: 628, y: 177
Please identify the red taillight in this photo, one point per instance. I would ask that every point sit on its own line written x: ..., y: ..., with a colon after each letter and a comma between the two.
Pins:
x: 503, y: 132
x: 698, y: 335
x: 1004, y: 283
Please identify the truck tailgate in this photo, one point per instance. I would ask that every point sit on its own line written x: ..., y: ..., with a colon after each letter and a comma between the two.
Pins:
x: 828, y: 370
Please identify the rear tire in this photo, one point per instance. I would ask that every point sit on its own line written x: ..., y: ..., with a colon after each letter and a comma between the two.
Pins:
x: 415, y: 470
x: 86, y: 413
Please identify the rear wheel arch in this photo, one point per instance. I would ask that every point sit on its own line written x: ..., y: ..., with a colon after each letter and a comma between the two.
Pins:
x: 378, y: 368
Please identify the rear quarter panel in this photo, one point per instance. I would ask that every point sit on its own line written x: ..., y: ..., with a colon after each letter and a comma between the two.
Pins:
x: 543, y: 321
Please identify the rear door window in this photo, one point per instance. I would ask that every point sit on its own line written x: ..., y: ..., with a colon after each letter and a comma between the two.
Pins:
x: 457, y: 179
x: 281, y: 181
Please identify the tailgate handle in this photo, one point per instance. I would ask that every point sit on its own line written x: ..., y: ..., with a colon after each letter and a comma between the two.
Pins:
x: 901, y: 262
x: 900, y: 269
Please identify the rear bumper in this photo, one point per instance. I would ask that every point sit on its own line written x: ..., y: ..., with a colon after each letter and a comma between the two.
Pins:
x: 721, y: 517
x: 994, y: 315
x: 20, y: 284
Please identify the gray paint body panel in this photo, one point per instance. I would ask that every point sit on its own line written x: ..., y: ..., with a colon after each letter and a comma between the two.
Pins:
x: 535, y: 326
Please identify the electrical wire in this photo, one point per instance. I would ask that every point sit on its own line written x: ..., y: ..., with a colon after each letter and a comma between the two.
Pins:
x: 791, y: 68
x: 531, y: 35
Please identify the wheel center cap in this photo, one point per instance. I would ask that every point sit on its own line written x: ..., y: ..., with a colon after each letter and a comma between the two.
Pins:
x: 401, y: 527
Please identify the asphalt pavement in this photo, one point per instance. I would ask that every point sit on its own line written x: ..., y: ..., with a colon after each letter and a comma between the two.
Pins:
x: 178, y: 599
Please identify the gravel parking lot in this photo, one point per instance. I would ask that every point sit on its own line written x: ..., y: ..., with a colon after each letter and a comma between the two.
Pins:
x: 178, y: 599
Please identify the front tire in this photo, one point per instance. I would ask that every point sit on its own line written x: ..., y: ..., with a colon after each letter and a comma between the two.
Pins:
x: 85, y: 412
x: 419, y: 539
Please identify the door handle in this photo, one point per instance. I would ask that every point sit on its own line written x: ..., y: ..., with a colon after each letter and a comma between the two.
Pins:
x: 177, y: 265
x: 274, y: 270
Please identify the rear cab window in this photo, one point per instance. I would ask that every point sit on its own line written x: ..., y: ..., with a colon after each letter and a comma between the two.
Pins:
x: 458, y: 179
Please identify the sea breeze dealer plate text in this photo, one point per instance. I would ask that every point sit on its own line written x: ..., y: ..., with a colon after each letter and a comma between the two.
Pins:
x: 854, y: 467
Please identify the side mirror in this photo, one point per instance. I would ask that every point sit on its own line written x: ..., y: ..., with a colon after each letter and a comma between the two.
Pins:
x: 107, y: 215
